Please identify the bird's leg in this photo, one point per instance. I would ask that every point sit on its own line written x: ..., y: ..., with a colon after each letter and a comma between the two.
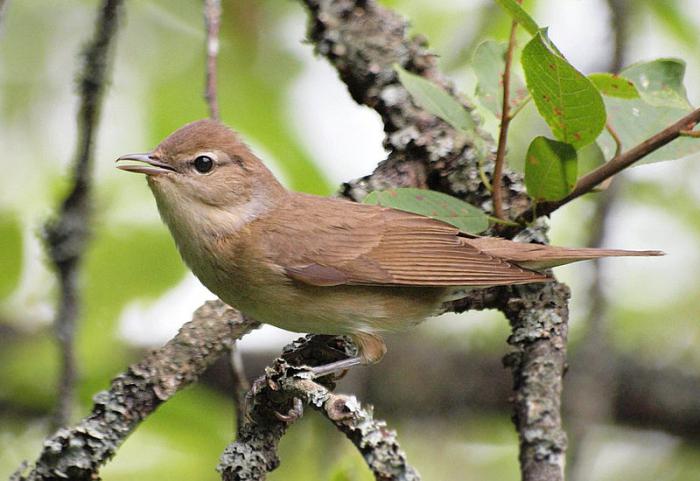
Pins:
x: 371, y: 349
x: 334, y: 367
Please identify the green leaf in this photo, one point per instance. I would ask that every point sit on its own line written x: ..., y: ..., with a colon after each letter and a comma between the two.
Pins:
x: 614, y: 85
x: 550, y: 169
x: 660, y: 82
x: 520, y: 15
x: 435, y: 205
x: 634, y: 121
x: 569, y: 102
x: 488, y: 64
x: 436, y: 100
x: 590, y: 158
x: 661, y: 103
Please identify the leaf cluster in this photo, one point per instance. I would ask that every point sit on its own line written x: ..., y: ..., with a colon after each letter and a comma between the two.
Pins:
x: 591, y: 118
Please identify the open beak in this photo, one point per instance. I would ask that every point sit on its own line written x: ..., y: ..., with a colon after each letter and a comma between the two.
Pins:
x: 148, y: 164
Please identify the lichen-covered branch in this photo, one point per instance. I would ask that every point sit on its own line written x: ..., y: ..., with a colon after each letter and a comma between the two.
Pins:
x: 278, y: 400
x: 363, y: 41
x: 538, y: 318
x: 77, y: 453
x: 67, y: 235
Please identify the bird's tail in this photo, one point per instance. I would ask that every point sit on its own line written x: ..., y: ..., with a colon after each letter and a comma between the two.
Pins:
x: 539, y: 256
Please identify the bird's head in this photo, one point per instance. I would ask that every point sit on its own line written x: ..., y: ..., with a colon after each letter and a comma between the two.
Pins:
x: 203, y: 162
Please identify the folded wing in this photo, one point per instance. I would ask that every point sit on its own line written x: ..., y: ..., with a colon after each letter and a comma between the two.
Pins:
x: 379, y: 246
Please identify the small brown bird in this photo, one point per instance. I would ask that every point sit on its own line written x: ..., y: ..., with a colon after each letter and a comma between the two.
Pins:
x: 314, y: 264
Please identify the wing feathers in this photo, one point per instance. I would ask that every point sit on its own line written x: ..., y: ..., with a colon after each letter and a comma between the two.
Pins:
x: 359, y: 244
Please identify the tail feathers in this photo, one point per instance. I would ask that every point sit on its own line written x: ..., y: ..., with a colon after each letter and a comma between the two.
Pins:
x: 539, y: 256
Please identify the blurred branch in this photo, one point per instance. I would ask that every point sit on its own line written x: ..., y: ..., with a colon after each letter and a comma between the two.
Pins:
x: 286, y: 388
x: 78, y: 453
x: 3, y: 7
x: 240, y: 383
x: 212, y: 21
x: 67, y: 235
x: 593, y: 375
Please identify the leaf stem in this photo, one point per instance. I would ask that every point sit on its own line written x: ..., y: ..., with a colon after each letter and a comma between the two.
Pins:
x: 503, y: 134
x: 616, y: 139
x: 520, y: 106
x: 690, y: 133
x: 483, y: 176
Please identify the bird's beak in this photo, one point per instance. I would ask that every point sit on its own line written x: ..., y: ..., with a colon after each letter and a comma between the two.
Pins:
x: 153, y: 165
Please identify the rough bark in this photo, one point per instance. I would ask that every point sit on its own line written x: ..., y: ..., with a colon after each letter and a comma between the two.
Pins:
x: 364, y: 41
x: 286, y: 389
x: 78, y: 453
x: 538, y: 318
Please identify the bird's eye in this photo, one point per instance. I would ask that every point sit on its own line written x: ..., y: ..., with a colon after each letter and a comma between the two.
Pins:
x: 203, y: 164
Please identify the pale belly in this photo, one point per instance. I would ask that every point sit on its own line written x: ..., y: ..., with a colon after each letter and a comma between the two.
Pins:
x: 347, y: 309
x: 334, y: 310
x: 269, y: 296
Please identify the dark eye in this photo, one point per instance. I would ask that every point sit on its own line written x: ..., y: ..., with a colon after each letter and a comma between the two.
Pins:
x: 203, y: 164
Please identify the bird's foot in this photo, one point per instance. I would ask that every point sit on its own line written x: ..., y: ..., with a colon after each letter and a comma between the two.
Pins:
x: 293, y: 414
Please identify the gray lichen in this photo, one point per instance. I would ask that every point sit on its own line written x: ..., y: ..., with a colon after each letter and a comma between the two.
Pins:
x: 78, y: 453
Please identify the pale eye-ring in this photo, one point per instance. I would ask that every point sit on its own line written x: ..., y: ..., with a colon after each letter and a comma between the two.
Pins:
x: 203, y: 164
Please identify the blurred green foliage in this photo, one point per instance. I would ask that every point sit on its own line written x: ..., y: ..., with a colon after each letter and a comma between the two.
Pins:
x: 157, y: 86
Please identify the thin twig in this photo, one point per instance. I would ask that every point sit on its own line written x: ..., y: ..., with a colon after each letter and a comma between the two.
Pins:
x: 79, y: 452
x: 240, y: 383
x: 212, y: 21
x: 618, y: 163
x: 690, y: 133
x: 503, y: 134
x: 67, y: 235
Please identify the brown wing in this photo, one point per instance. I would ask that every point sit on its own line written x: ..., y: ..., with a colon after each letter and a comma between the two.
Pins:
x: 355, y: 244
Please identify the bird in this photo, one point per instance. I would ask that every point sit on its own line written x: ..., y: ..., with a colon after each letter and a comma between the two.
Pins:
x: 321, y: 265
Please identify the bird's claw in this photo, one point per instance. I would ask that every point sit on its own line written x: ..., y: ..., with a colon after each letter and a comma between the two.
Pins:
x: 293, y: 414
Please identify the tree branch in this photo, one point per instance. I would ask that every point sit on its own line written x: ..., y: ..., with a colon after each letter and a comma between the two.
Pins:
x: 286, y: 388
x: 3, y: 7
x: 363, y: 41
x: 239, y: 381
x: 539, y: 320
x: 618, y: 163
x: 503, y: 133
x: 78, y: 453
x: 67, y: 235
